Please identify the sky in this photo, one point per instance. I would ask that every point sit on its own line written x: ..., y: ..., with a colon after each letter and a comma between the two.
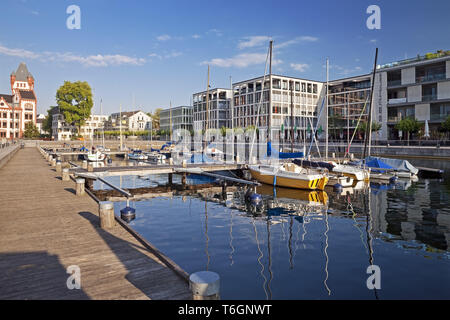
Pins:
x: 148, y: 54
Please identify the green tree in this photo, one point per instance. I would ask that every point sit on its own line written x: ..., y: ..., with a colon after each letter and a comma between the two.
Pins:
x: 155, y: 118
x: 47, y: 123
x: 75, y: 102
x: 362, y: 126
x: 31, y: 131
x: 446, y: 125
x: 408, y: 125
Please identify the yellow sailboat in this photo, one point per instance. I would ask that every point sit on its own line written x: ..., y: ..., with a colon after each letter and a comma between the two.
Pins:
x: 289, y: 175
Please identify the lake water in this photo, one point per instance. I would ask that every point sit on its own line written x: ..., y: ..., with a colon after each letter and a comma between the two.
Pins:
x: 304, y: 245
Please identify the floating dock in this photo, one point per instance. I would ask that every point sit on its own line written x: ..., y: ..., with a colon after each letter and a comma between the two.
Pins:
x: 45, y: 228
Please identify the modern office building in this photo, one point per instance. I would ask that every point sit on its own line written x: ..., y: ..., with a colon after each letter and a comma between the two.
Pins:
x: 276, y: 108
x: 176, y: 118
x: 219, y: 111
x: 418, y: 88
x: 348, y: 101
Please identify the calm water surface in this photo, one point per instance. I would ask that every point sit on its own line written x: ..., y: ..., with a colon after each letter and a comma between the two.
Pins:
x: 300, y: 246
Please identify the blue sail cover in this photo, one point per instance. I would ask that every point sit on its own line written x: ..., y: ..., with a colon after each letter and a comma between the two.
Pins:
x: 373, y: 162
x: 283, y: 155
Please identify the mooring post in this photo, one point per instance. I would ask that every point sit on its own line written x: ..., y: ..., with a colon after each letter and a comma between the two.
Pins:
x: 53, y: 162
x: 170, y: 178
x: 106, y: 214
x: 80, y: 186
x: 65, y: 174
x: 90, y: 167
x: 58, y: 166
x: 205, y: 285
x: 84, y: 164
x: 183, y: 179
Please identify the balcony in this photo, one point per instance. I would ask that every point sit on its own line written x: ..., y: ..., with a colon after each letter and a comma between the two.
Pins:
x: 438, y: 116
x: 396, y: 101
x: 431, y: 77
x: 394, y: 119
x: 394, y: 83
x: 429, y: 97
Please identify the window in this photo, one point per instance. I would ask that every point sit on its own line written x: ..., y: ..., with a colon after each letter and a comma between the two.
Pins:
x: 314, y: 88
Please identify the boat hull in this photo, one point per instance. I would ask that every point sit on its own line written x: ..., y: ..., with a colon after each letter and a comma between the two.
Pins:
x: 288, y: 182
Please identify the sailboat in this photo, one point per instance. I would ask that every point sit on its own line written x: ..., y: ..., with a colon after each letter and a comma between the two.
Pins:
x: 102, y: 147
x: 289, y: 175
x: 94, y: 155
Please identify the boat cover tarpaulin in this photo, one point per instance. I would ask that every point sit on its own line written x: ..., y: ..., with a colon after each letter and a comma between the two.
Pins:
x: 313, y: 164
x: 373, y: 162
x: 283, y: 155
x: 400, y: 165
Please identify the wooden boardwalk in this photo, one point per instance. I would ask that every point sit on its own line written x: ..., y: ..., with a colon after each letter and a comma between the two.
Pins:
x: 45, y: 227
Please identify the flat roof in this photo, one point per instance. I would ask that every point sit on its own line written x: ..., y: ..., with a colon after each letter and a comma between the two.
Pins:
x: 211, y: 90
x: 277, y: 75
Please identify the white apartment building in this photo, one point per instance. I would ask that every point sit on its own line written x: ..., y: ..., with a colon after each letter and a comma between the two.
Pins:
x: 61, y: 131
x: 418, y: 88
x: 131, y: 121
x: 219, y: 111
x: 282, y: 97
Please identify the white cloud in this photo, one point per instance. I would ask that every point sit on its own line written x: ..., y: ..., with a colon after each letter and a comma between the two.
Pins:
x: 373, y: 41
x: 18, y: 53
x: 295, y: 41
x: 163, y: 37
x: 215, y: 31
x: 196, y: 36
x: 173, y: 54
x: 34, y: 12
x: 241, y: 60
x: 301, y: 67
x: 97, y: 60
x: 253, y: 41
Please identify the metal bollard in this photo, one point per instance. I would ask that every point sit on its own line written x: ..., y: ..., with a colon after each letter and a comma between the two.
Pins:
x: 53, y: 162
x: 205, y: 285
x: 80, y: 187
x: 65, y: 174
x: 106, y: 214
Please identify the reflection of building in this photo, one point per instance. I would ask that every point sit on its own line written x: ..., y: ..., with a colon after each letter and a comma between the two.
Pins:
x: 64, y: 131
x: 219, y: 113
x: 18, y: 108
x: 418, y: 88
x: 131, y: 121
x: 181, y: 118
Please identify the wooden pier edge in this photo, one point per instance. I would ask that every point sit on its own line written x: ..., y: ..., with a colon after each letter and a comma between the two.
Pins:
x: 161, y: 256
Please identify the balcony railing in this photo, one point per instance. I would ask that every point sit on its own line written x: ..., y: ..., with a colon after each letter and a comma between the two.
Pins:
x: 429, y: 97
x: 431, y: 77
x: 393, y: 83
x: 398, y: 100
x: 394, y: 119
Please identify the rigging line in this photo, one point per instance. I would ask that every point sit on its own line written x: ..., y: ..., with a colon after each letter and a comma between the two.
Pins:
x: 361, y: 235
x: 369, y: 237
x: 259, y: 259
x: 347, y: 152
x: 325, y: 251
x: 291, y: 262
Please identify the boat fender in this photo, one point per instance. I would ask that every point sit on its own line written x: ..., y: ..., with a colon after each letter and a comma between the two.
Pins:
x: 128, y: 214
x: 393, y: 179
x: 109, y: 160
x: 337, y: 187
x: 255, y: 199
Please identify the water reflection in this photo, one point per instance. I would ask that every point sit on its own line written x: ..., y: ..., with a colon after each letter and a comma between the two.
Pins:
x: 309, y: 244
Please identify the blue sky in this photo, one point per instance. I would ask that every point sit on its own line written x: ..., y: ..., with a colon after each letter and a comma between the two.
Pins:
x: 156, y: 52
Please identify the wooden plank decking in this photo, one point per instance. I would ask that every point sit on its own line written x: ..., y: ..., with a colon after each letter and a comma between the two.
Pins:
x: 45, y: 227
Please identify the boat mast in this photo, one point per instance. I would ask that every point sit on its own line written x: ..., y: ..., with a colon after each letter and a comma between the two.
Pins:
x: 103, y: 126
x: 170, y: 121
x: 326, y: 117
x: 369, y: 120
x: 206, y: 110
x: 269, y: 113
x: 120, y: 127
x: 292, y: 115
